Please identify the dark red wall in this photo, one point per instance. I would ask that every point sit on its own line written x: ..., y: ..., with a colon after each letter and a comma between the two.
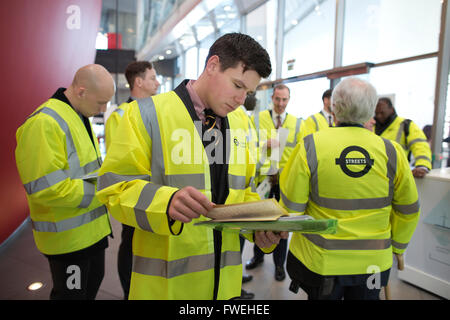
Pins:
x: 38, y: 54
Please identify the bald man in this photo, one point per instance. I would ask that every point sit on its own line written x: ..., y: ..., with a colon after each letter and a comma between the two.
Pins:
x: 57, y: 156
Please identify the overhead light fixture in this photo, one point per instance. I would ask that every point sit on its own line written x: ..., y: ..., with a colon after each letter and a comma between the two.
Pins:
x: 127, y: 85
x: 35, y: 286
x: 168, y: 51
x: 161, y: 57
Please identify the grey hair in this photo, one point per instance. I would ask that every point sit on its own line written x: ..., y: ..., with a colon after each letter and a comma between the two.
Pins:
x: 354, y: 101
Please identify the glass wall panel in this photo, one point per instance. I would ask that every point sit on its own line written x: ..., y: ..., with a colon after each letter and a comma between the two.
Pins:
x: 261, y: 26
x: 413, y: 86
x: 306, y: 97
x: 309, y: 38
x: 383, y: 30
x: 191, y: 71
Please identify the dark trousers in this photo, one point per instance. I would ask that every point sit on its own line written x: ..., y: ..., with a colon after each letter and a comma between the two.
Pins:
x: 319, y: 287
x: 125, y: 259
x: 279, y: 254
x: 77, y: 278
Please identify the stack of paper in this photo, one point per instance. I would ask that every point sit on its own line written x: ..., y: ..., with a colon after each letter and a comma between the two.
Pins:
x: 264, y: 215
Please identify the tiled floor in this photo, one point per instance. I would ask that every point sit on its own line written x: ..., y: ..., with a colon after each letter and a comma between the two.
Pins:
x: 21, y: 264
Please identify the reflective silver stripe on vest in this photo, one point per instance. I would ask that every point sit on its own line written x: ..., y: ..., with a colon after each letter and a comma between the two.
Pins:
x: 89, y: 194
x: 108, y: 179
x: 399, y: 245
x: 68, y: 224
x: 75, y: 171
x: 175, y: 268
x: 349, y: 204
x: 422, y: 158
x: 145, y: 199
x: 120, y: 112
x: 236, y: 182
x: 359, y: 244
x: 315, y: 121
x: 407, y: 208
x: 150, y: 120
x: 297, y: 129
x: 299, y: 207
x: 415, y: 141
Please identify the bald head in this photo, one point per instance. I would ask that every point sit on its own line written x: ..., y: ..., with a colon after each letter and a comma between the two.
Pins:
x: 92, y: 88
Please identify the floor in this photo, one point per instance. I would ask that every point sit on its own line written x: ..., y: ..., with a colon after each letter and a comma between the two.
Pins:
x: 22, y: 264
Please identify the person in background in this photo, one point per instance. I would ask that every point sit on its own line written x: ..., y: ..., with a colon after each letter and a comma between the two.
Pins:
x: 267, y: 124
x: 322, y: 119
x: 404, y: 131
x: 168, y: 168
x: 363, y: 181
x: 141, y: 77
x: 70, y: 225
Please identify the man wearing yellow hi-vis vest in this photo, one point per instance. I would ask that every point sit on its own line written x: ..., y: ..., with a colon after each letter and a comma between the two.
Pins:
x: 141, y: 77
x: 180, y: 152
x: 56, y: 151
x: 268, y: 125
x: 404, y: 131
x: 362, y: 180
x: 322, y: 119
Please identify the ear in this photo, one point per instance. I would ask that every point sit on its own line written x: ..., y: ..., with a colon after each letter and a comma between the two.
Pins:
x: 213, y: 64
x: 138, y: 82
x: 81, y: 92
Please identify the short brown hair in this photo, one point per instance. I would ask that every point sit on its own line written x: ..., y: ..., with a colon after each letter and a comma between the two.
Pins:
x: 233, y: 48
x: 136, y: 69
x: 281, y: 87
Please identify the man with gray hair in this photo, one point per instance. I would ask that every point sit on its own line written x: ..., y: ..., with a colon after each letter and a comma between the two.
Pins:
x: 362, y: 180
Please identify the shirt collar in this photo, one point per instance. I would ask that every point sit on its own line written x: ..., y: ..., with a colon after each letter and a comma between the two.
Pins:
x: 199, y: 106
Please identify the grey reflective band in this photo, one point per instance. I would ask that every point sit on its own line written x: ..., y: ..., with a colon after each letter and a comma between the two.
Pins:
x: 415, y: 141
x: 297, y: 129
x: 175, y: 268
x: 422, y: 158
x: 299, y: 207
x: 349, y: 204
x: 89, y: 194
x: 75, y: 171
x: 149, y: 118
x: 315, y: 121
x: 46, y: 181
x: 407, y: 208
x: 108, y: 179
x: 358, y: 244
x: 399, y: 245
x: 120, y: 112
x: 69, y: 224
x: 236, y: 182
x: 145, y: 199
x: 401, y: 129
x: 196, y: 180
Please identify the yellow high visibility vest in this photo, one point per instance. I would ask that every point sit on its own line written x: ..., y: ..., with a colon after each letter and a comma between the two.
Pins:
x: 416, y: 142
x: 265, y: 129
x: 54, y: 151
x: 113, y: 122
x: 364, y: 181
x: 158, y: 152
x: 315, y: 123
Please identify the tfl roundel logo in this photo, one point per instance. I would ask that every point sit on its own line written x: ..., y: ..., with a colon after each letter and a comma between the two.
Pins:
x: 345, y: 162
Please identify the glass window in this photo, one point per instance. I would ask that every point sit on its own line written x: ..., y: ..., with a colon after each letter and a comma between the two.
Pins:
x: 191, y: 65
x: 412, y: 85
x: 383, y: 30
x: 306, y: 97
x: 261, y: 26
x: 309, y: 37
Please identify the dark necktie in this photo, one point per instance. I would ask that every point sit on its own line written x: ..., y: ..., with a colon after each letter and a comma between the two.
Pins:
x: 211, y: 123
x: 330, y: 123
x: 210, y: 119
x: 279, y: 122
